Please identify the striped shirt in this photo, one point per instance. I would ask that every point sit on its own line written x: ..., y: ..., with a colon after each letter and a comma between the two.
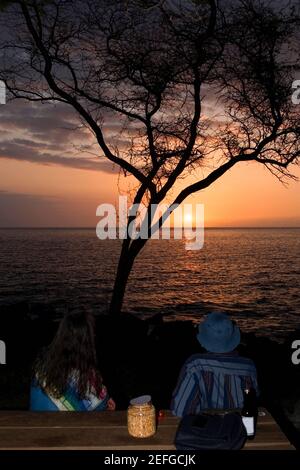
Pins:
x: 213, y: 381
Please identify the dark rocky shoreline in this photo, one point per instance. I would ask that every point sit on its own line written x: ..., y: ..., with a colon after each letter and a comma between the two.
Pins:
x: 144, y: 357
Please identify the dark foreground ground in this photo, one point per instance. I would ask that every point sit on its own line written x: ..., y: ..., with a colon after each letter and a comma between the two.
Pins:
x: 144, y: 357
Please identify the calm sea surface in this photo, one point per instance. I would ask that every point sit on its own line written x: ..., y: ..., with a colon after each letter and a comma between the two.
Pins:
x: 252, y: 273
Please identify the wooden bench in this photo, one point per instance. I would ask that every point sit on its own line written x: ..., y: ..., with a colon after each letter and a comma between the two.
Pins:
x: 108, y: 431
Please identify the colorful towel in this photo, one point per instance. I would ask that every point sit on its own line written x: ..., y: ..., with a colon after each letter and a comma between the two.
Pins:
x: 41, y: 400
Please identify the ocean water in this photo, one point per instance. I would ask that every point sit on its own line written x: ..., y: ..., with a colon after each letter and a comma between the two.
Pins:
x: 251, y: 273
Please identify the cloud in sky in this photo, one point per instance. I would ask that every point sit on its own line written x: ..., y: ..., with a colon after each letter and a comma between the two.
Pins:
x: 48, y: 135
x: 19, y: 149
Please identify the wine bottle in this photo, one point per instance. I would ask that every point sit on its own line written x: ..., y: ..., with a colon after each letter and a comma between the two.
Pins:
x: 249, y: 412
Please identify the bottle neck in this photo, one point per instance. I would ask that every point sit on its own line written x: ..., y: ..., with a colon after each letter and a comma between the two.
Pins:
x: 250, y: 405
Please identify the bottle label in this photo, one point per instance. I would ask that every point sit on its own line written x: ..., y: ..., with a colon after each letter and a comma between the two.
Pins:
x: 249, y: 425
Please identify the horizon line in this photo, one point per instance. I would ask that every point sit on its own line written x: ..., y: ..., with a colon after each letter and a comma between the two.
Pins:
x: 166, y: 228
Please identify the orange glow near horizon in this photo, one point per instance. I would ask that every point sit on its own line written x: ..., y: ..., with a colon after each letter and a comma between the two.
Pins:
x: 43, y: 195
x: 188, y: 219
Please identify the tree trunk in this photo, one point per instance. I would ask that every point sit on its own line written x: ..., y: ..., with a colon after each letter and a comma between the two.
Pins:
x: 126, y: 261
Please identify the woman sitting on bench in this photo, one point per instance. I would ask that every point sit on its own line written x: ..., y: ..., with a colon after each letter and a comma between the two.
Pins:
x: 66, y: 377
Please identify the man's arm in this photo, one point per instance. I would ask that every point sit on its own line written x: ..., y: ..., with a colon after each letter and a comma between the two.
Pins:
x: 186, y: 396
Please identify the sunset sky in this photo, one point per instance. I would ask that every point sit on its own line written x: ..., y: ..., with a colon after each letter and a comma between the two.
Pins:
x: 52, y: 175
x: 46, y: 180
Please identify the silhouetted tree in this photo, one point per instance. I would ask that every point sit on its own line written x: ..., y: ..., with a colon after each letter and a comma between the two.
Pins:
x: 148, y: 65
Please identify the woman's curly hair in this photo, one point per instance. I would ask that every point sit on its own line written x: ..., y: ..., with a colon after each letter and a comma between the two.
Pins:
x: 72, y: 354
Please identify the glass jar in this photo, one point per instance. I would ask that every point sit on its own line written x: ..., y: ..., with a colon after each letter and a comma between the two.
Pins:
x: 141, y: 417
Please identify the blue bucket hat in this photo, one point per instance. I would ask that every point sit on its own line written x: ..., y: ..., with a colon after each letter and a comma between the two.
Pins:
x: 218, y: 334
